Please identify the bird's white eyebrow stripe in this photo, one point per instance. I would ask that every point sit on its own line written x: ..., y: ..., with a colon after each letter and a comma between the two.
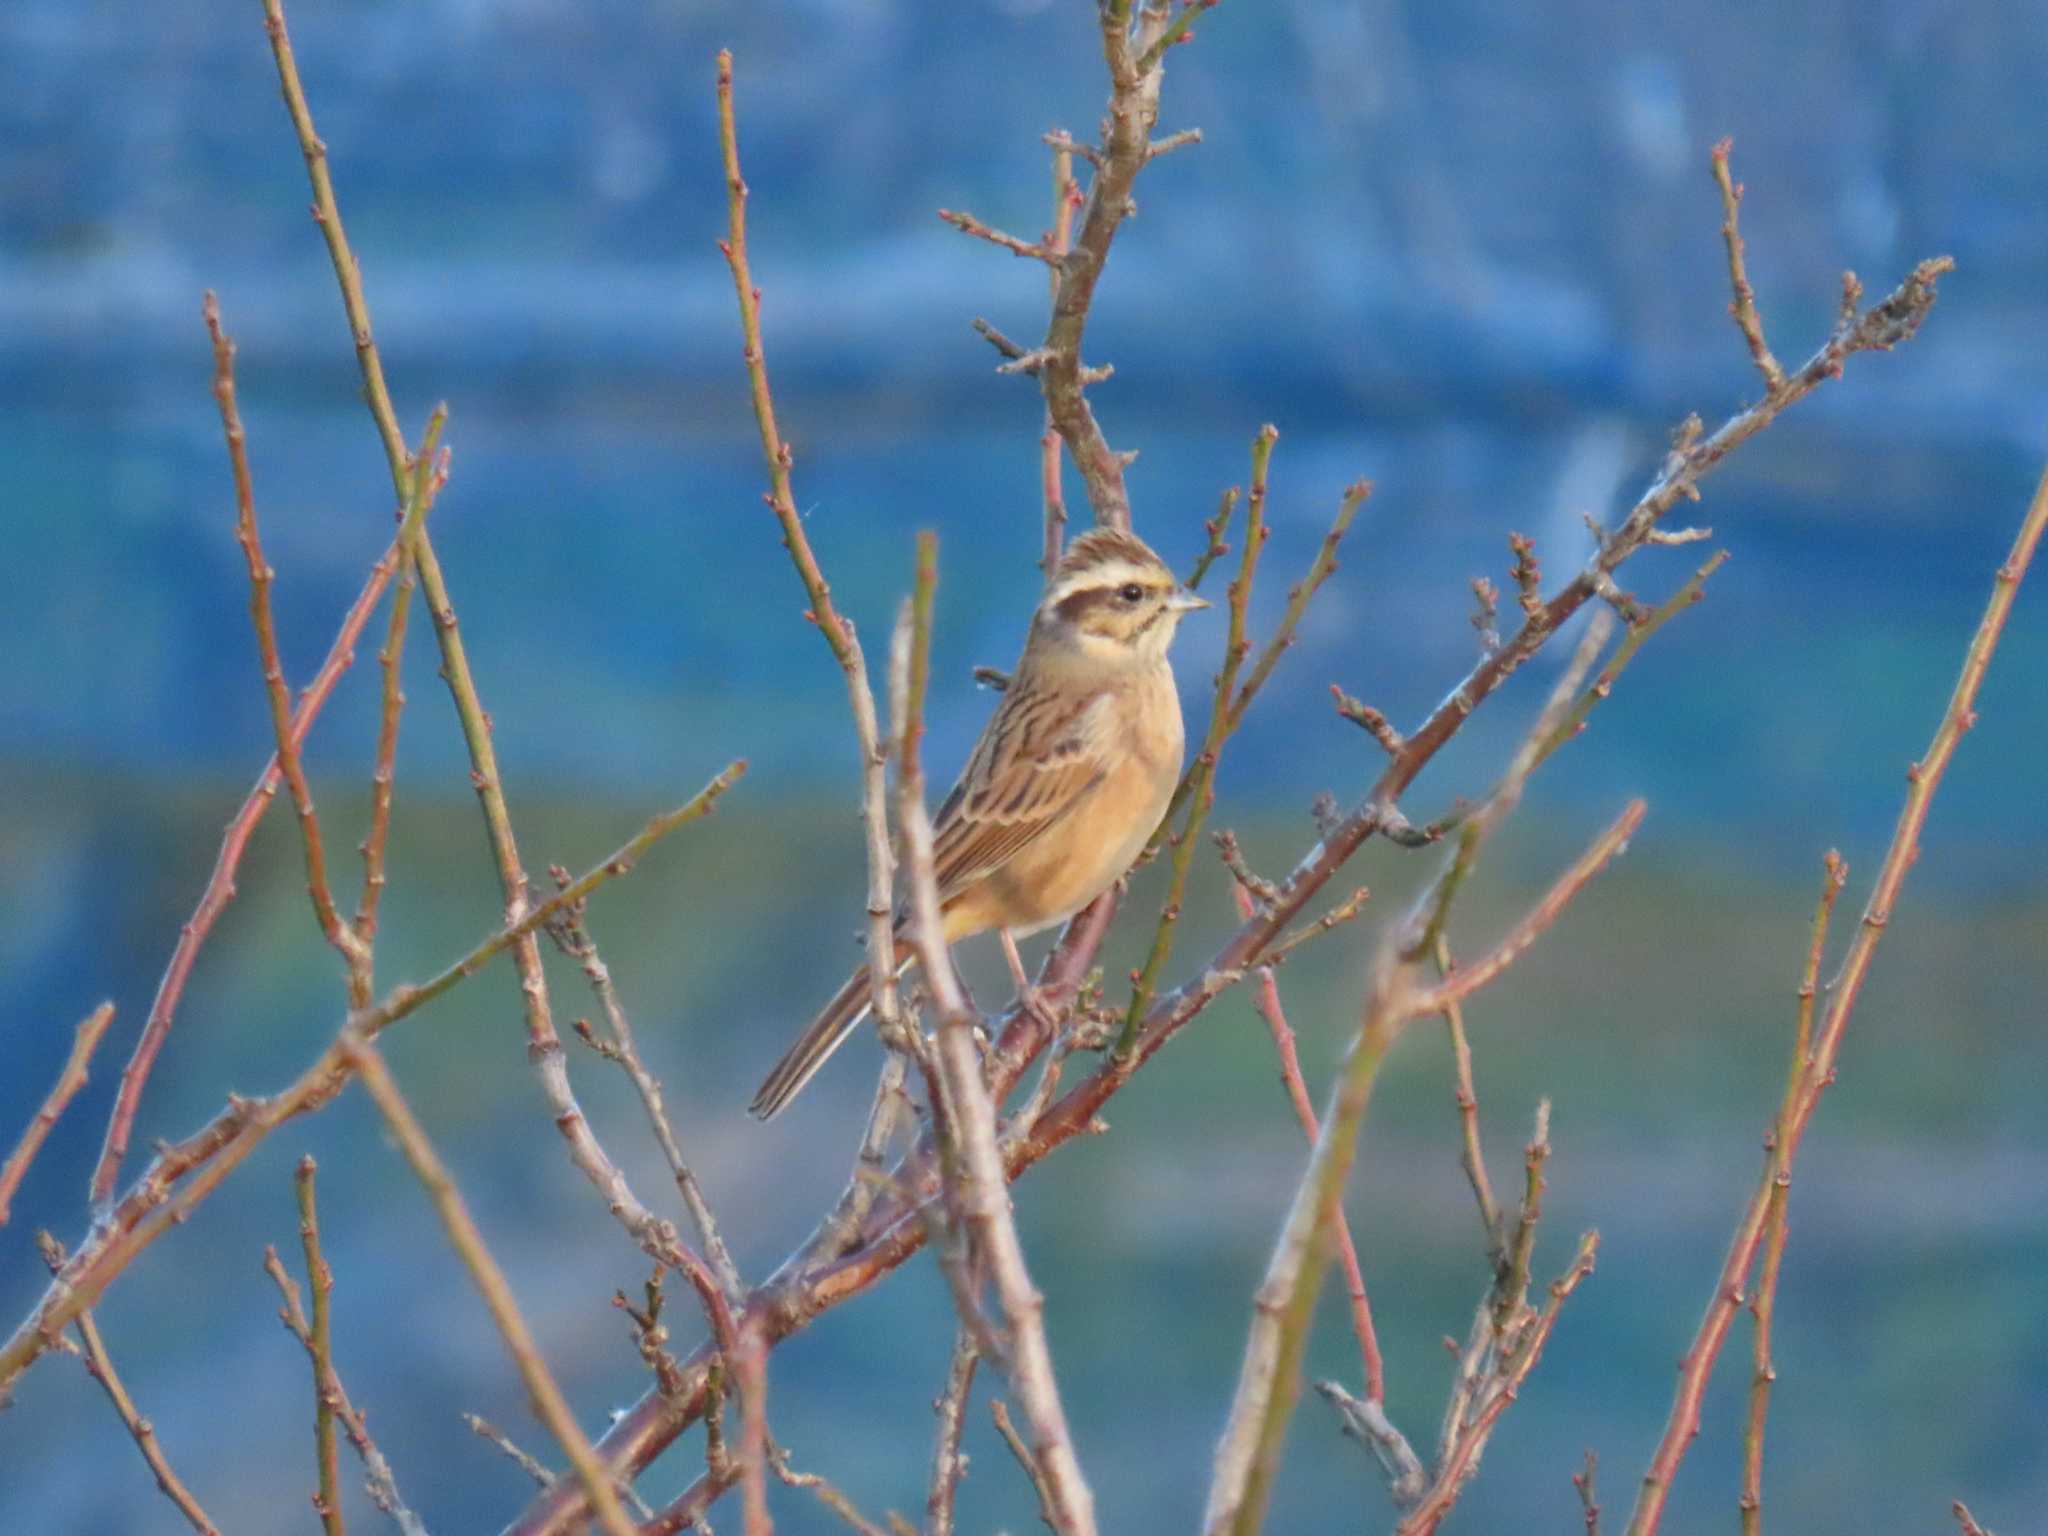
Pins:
x: 1115, y: 572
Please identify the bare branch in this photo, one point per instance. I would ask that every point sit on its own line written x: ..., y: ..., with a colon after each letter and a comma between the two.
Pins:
x: 548, y: 1402
x: 1365, y: 1420
x: 1266, y: 1000
x: 968, y: 224
x: 1369, y: 720
x: 320, y: 1279
x: 1743, y: 308
x: 1763, y: 1303
x: 85, y: 1040
x: 1514, y: 1370
x: 570, y: 934
x: 220, y: 885
x: 1923, y: 778
x: 378, y: 1480
x: 1196, y: 791
x: 1589, y: 1499
x: 1048, y: 1497
x: 100, y: 1366
x: 523, y: 1460
x: 154, y: 1204
x: 429, y: 475
x: 949, y: 1463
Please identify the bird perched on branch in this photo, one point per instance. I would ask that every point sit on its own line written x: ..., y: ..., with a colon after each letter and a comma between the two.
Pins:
x: 1066, y: 785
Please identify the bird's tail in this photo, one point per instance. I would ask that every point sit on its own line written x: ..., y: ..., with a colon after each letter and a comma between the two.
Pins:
x: 827, y: 1032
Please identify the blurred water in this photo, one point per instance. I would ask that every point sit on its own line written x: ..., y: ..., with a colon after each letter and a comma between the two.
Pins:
x: 1472, y: 256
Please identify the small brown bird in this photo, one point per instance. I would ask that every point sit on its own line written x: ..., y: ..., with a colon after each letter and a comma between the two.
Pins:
x: 1065, y: 787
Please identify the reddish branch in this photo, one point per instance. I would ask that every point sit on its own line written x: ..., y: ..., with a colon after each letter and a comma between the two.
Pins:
x: 339, y: 933
x: 84, y: 1041
x: 184, y: 1173
x: 1266, y: 999
x: 220, y: 885
x: 1923, y: 778
x: 1763, y: 1304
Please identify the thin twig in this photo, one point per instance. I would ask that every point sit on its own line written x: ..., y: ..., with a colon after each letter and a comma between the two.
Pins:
x: 827, y: 1494
x: 155, y: 1203
x: 338, y: 933
x: 1589, y: 1498
x: 1298, y: 598
x: 1743, y: 308
x: 429, y: 474
x: 572, y: 936
x: 1450, y: 1479
x: 1923, y: 778
x: 1472, y: 1157
x: 100, y: 1366
x: 1266, y: 1000
x: 1365, y: 1420
x: 521, y: 1459
x: 949, y: 1463
x: 378, y: 1480
x: 220, y: 885
x: 85, y: 1040
x: 968, y: 224
x: 1763, y: 1303
x: 1247, y: 1459
x: 320, y: 1281
x: 1048, y: 1497
x: 546, y: 1397
x: 1215, y: 549
x: 1197, y: 792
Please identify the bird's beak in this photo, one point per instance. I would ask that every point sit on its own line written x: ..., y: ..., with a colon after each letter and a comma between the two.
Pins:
x: 1184, y: 601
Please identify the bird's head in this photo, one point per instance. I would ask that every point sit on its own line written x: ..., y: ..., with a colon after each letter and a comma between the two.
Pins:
x: 1112, y: 601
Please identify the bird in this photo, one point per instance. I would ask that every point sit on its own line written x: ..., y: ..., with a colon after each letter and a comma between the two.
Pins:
x: 1070, y: 778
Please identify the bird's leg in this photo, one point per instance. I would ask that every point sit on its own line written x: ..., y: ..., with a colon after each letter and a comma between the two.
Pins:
x: 1029, y: 998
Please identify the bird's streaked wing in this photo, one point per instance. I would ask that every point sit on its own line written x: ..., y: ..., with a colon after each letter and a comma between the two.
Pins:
x: 1038, y: 758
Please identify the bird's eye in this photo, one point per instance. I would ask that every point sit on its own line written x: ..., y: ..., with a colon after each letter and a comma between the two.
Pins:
x: 1130, y: 592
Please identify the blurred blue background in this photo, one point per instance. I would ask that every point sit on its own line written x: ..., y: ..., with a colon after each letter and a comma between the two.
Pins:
x: 1468, y: 250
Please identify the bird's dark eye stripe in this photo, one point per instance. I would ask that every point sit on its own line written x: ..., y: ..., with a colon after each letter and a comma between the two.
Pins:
x: 1075, y: 604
